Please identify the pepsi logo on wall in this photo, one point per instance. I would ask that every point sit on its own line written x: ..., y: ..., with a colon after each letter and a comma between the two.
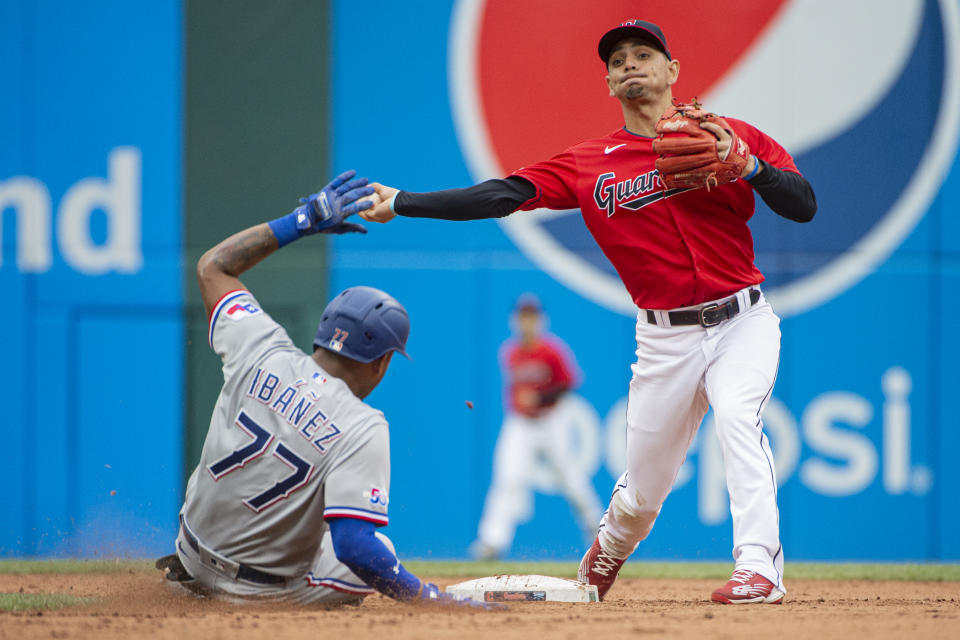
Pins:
x: 865, y: 94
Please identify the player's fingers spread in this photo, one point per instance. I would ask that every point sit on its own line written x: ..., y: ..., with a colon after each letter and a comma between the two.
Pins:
x: 352, y: 184
x: 349, y: 227
x: 357, y: 207
x: 356, y: 194
x: 369, y: 202
x: 343, y: 177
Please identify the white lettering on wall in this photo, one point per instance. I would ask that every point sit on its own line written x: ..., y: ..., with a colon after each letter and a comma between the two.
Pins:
x: 118, y: 196
x: 30, y: 200
x: 843, y: 460
x: 896, y: 385
x: 823, y: 429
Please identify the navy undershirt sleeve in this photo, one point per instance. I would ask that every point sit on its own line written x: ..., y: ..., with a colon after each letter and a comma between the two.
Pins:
x: 787, y: 193
x: 490, y: 199
x: 357, y: 547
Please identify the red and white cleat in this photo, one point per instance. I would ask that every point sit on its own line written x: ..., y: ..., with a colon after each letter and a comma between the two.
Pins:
x: 748, y: 587
x: 599, y: 568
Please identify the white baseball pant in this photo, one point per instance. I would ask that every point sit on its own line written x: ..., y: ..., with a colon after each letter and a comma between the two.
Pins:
x: 327, y: 580
x: 679, y: 372
x: 509, y: 500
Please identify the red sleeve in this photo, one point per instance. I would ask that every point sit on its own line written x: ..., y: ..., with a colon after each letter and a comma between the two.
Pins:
x: 555, y: 180
x: 763, y: 146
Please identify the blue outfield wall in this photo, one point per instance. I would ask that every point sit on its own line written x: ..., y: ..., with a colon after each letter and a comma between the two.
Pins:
x: 90, y: 197
x: 862, y: 422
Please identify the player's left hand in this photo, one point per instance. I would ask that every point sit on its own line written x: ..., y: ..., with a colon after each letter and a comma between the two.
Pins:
x: 432, y: 595
x: 327, y: 210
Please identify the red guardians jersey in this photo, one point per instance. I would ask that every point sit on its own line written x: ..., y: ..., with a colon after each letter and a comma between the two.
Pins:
x: 672, y: 248
x: 537, y: 374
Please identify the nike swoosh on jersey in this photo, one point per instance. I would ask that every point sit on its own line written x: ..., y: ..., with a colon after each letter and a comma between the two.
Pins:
x: 609, y: 149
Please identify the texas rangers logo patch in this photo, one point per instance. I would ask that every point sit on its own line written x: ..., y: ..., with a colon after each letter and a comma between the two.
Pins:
x: 239, y: 310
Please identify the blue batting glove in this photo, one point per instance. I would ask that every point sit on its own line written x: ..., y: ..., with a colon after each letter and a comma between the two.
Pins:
x: 346, y: 227
x: 322, y: 212
x: 326, y: 211
x: 431, y: 593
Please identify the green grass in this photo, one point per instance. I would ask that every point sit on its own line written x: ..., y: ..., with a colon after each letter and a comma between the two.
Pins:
x: 633, y: 569
x: 32, y: 601
x: 906, y: 572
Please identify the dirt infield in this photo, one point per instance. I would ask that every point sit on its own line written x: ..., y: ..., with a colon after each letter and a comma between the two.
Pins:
x: 139, y: 604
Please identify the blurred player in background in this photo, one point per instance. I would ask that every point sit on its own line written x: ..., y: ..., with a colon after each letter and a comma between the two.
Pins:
x: 539, y: 370
x: 294, y: 476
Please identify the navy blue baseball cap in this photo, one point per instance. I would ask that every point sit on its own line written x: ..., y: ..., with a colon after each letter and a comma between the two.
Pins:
x: 632, y: 29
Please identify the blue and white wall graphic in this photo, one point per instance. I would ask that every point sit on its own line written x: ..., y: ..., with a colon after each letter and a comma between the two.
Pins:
x: 92, y: 373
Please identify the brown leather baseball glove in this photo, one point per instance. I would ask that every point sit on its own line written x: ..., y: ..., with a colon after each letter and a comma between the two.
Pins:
x: 688, y: 152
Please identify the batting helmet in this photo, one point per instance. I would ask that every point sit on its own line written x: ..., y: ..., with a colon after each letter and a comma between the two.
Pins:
x: 363, y: 323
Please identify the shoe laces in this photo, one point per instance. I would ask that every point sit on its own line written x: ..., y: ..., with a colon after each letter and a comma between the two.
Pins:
x: 742, y: 576
x: 605, y: 563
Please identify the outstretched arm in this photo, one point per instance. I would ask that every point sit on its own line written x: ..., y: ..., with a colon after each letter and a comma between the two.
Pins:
x: 356, y: 545
x: 490, y: 199
x: 219, y: 269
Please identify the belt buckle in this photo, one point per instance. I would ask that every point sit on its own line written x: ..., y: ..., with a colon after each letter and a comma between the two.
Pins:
x: 703, y: 317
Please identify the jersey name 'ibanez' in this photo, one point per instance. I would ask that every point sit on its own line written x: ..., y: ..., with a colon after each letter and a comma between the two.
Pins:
x: 288, y: 445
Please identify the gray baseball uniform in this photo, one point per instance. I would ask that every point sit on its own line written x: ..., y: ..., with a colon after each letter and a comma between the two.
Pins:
x: 288, y: 445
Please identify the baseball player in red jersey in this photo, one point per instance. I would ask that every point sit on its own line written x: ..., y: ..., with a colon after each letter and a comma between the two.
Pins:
x: 539, y: 370
x: 705, y: 334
